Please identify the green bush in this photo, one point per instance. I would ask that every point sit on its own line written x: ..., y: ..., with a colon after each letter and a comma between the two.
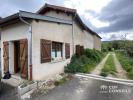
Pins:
x: 104, y: 74
x: 130, y: 74
x: 84, y: 63
x: 93, y: 54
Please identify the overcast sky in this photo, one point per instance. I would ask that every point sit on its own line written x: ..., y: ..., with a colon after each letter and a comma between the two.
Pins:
x: 109, y: 18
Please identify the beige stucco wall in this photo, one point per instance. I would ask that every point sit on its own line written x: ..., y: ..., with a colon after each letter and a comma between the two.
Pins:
x: 60, y: 15
x: 0, y: 43
x: 88, y: 40
x: 97, y: 43
x: 82, y: 37
x: 50, y: 31
x: 11, y: 33
x: 60, y: 33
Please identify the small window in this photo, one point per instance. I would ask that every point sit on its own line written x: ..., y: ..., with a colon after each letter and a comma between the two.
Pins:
x: 56, y: 51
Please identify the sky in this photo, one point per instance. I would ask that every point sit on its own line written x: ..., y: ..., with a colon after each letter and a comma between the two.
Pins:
x: 111, y: 19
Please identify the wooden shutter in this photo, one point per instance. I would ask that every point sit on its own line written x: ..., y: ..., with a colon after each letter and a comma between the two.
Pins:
x: 67, y: 50
x: 45, y: 51
x: 78, y: 50
x: 24, y: 58
x: 81, y: 50
x: 6, y: 56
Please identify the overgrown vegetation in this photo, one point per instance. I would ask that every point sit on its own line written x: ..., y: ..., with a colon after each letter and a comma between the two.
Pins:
x: 124, y: 51
x: 85, y: 63
x: 109, y: 67
x: 120, y: 45
x: 126, y: 62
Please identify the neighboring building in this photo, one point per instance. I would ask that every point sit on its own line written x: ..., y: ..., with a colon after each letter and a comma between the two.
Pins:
x: 55, y: 32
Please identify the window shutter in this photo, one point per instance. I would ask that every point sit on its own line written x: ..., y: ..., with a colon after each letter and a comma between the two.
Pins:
x: 78, y: 50
x: 45, y: 50
x: 6, y: 56
x: 81, y: 50
x: 67, y: 50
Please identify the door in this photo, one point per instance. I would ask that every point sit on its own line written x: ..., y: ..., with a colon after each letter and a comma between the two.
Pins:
x: 6, y: 56
x: 24, y: 58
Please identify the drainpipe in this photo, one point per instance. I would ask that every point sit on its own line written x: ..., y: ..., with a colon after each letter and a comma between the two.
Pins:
x: 29, y: 44
x: 73, y: 18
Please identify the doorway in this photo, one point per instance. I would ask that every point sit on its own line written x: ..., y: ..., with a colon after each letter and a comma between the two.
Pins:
x: 21, y: 58
x: 17, y: 66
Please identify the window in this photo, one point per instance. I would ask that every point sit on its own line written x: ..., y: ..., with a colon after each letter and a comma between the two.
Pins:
x: 56, y: 51
x: 53, y: 51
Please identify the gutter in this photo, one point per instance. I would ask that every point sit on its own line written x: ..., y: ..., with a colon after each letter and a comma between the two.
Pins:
x: 29, y: 43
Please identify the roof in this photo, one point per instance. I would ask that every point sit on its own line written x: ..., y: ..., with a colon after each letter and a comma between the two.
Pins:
x: 48, y: 7
x: 30, y: 15
x: 43, y: 10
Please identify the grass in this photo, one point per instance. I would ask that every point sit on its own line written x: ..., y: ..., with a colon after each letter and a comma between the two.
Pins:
x: 127, y: 64
x: 109, y: 67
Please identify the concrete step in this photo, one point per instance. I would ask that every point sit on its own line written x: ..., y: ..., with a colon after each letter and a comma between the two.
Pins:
x: 14, y: 81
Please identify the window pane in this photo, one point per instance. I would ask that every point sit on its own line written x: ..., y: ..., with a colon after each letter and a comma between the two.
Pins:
x: 56, y: 50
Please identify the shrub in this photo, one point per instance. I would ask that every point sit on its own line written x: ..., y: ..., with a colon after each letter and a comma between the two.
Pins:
x: 104, y: 74
x: 84, y: 63
x: 94, y: 54
x: 130, y: 74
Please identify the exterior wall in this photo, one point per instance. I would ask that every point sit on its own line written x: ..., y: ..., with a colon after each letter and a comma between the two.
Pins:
x: 60, y: 33
x: 11, y: 33
x: 59, y: 15
x: 0, y: 43
x: 97, y: 43
x: 54, y: 32
x: 82, y: 37
x: 88, y: 40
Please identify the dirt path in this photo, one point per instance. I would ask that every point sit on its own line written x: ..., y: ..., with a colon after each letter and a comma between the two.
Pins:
x: 121, y: 73
x: 99, y: 67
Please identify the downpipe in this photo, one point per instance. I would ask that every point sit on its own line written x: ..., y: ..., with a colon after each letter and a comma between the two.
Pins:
x: 29, y: 45
x: 73, y: 33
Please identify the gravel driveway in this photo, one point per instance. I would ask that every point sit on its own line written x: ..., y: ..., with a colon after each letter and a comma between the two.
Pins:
x: 81, y: 88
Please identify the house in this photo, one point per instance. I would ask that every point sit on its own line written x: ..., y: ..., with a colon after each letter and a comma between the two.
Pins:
x: 37, y: 46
